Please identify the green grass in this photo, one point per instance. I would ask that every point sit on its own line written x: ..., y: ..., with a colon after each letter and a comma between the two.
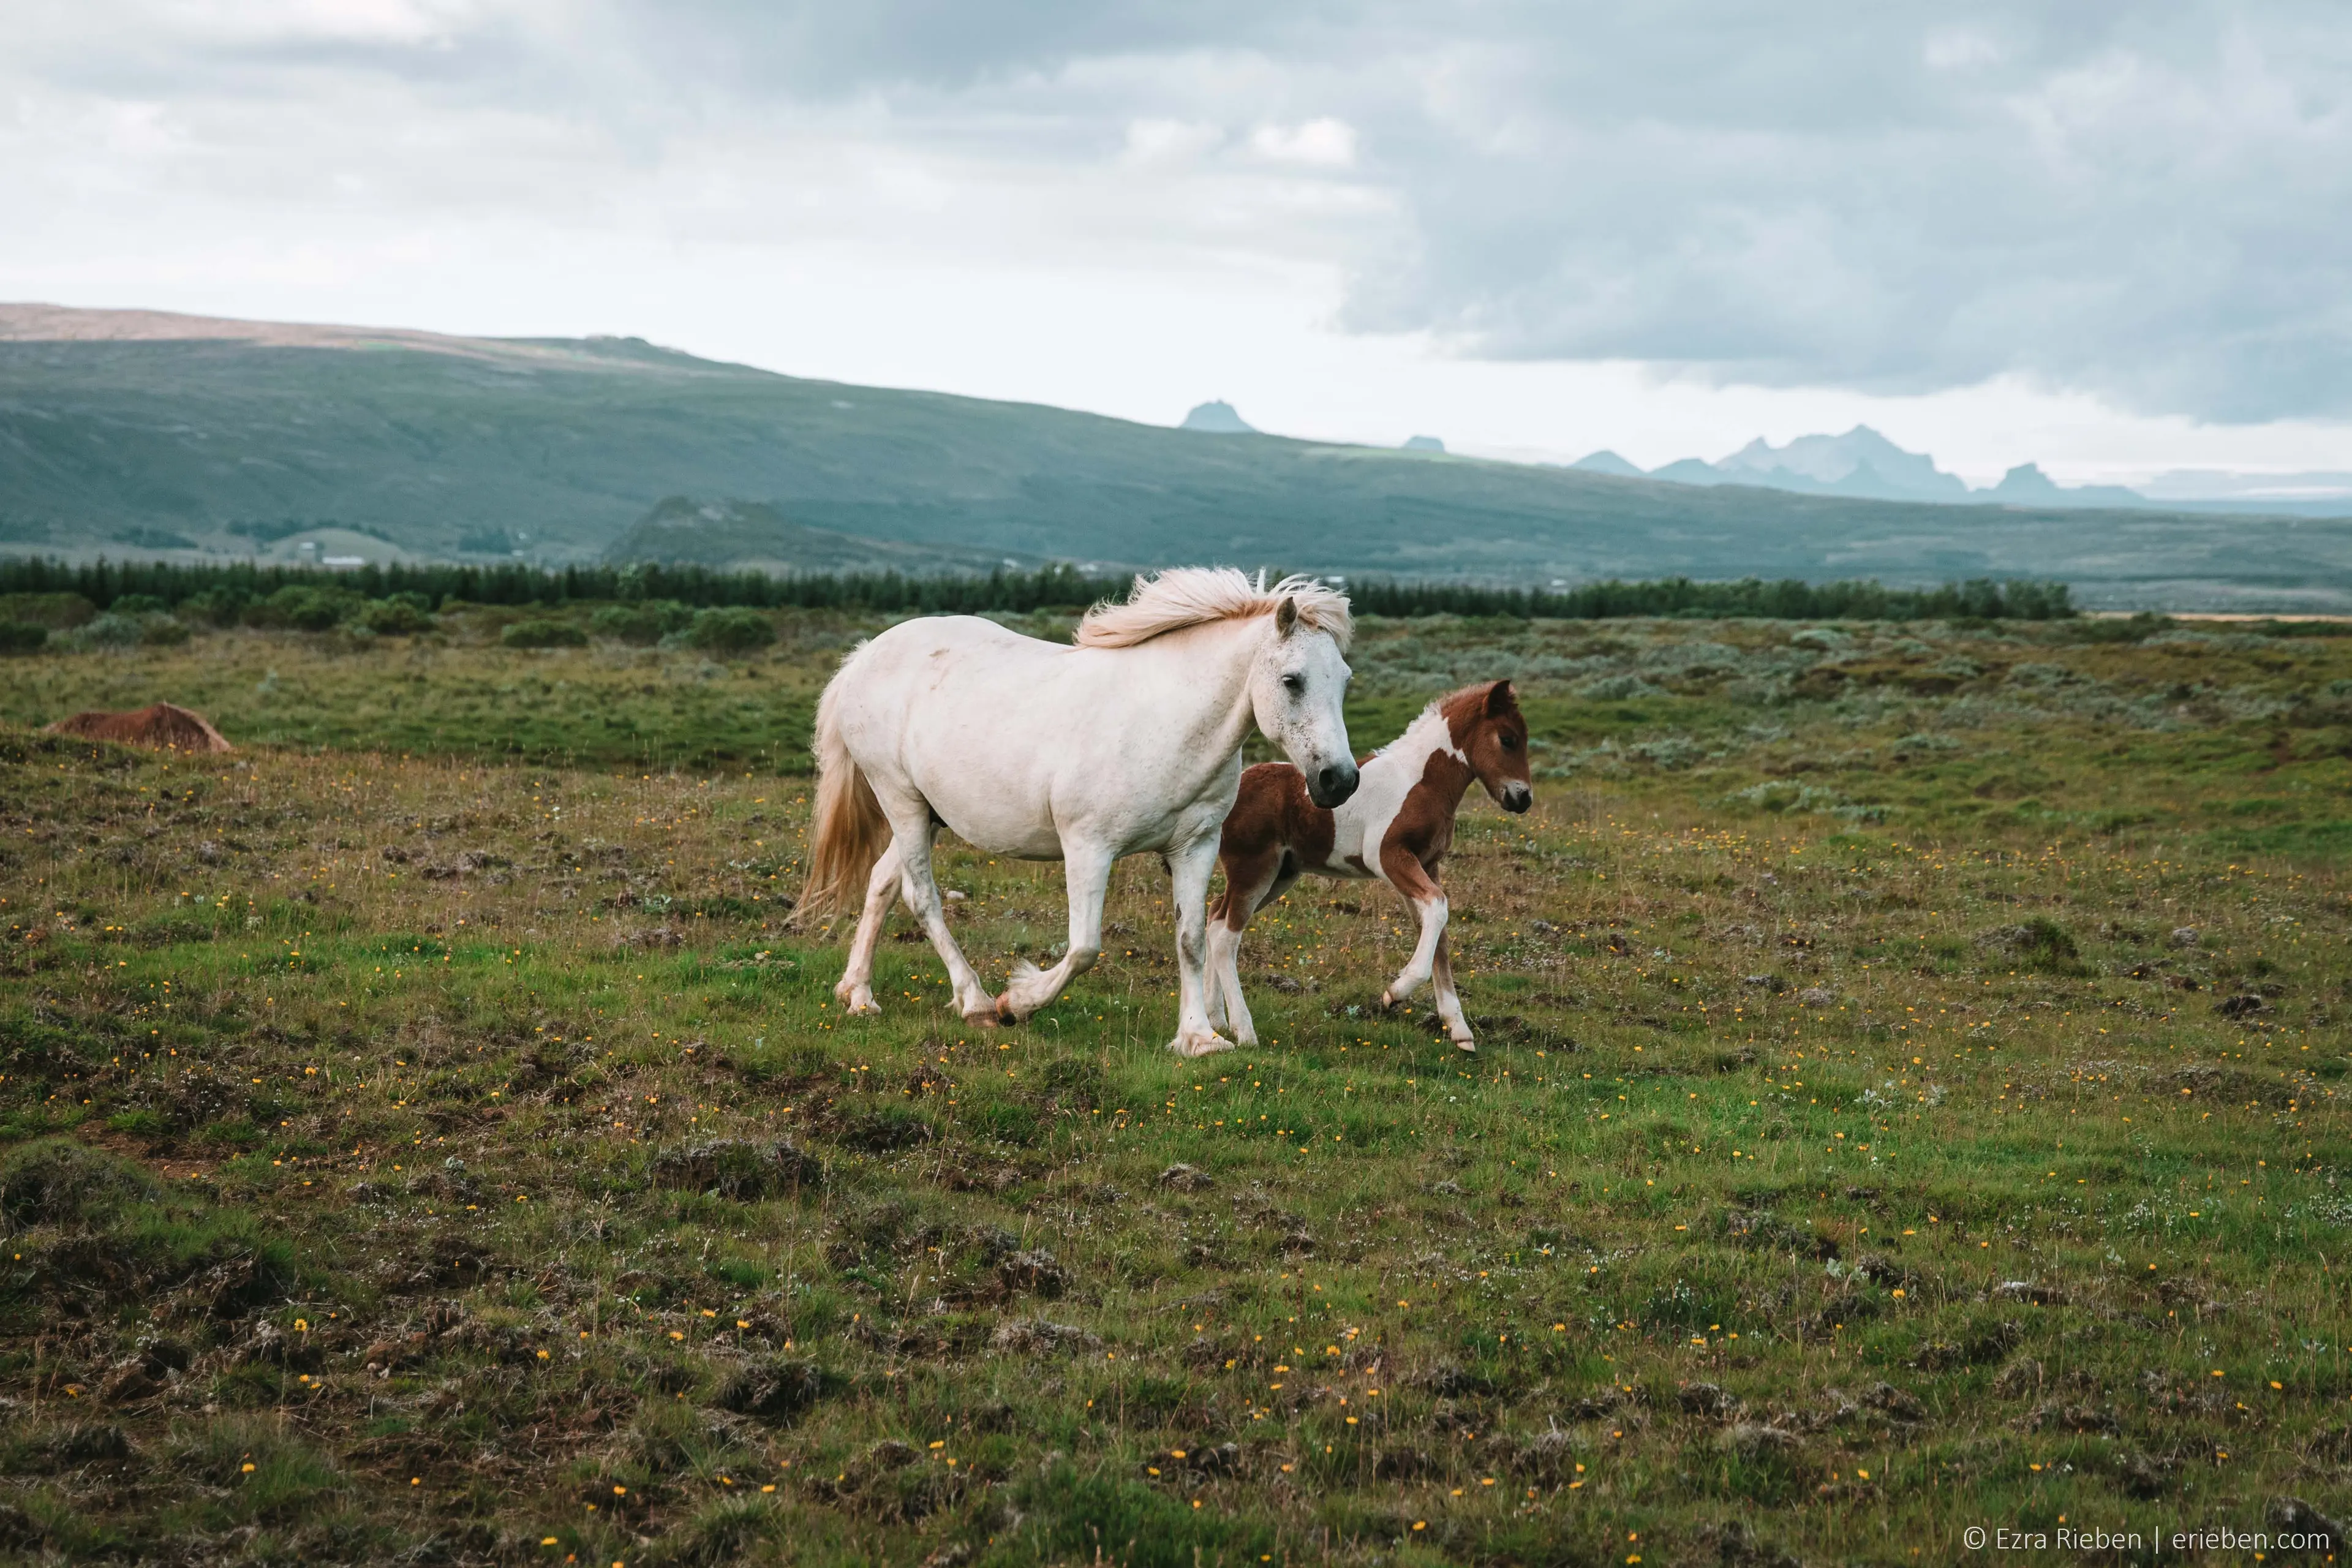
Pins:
x: 1895, y: 1106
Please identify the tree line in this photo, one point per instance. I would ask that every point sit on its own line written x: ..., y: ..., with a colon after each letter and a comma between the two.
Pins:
x: 169, y: 585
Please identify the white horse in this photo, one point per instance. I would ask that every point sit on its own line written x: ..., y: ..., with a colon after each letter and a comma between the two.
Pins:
x: 1127, y: 742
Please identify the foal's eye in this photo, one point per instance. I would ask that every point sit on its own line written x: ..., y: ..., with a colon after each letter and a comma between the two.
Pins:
x: 1510, y: 743
x: 1294, y: 683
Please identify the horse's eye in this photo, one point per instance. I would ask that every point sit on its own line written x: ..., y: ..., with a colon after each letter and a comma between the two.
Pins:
x: 1294, y: 683
x: 1510, y: 743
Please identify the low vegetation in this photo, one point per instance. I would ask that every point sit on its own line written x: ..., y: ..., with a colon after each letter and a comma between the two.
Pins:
x: 1913, y: 1096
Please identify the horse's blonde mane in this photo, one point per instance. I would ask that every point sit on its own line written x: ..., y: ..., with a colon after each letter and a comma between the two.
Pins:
x: 1194, y: 595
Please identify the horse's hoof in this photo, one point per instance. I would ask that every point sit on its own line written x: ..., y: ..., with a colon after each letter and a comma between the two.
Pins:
x: 1470, y: 1045
x: 1198, y: 1045
x: 1387, y: 1002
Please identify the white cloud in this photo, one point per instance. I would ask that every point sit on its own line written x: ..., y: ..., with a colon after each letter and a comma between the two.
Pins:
x: 1957, y: 48
x: 1170, y: 140
x: 1324, y: 143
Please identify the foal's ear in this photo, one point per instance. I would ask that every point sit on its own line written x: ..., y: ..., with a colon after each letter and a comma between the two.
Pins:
x: 1285, y: 618
x: 1501, y: 700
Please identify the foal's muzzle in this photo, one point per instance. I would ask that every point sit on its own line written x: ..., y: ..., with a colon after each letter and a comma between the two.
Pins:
x: 1518, y: 798
x: 1332, y: 785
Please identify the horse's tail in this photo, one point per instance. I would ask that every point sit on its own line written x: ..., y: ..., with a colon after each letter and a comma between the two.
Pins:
x: 848, y: 832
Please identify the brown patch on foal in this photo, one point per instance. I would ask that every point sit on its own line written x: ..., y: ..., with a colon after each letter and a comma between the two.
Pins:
x: 1272, y: 818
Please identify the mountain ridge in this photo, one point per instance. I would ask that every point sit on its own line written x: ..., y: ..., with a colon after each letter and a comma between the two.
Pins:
x: 1864, y: 463
x: 556, y: 450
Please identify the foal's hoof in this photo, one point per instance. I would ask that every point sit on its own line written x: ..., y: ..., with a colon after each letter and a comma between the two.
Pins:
x: 1465, y: 1044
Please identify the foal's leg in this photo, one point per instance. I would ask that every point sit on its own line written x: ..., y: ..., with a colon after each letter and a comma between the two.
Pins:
x: 1086, y: 872
x: 1189, y: 865
x: 857, y: 988
x: 1449, y: 1004
x: 911, y: 828
x: 1250, y: 881
x: 1408, y: 875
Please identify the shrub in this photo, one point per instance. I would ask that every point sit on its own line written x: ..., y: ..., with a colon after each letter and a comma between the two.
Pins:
x: 57, y: 612
x: 115, y: 629
x: 732, y: 630
x: 109, y: 630
x: 21, y: 637
x: 543, y: 634
x: 398, y: 615
x: 304, y: 608
x: 642, y: 624
x: 219, y: 606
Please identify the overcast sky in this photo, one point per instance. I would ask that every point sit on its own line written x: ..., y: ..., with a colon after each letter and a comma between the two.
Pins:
x: 2110, y: 236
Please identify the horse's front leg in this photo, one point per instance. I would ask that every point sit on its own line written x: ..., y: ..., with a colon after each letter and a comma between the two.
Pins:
x: 1085, y: 871
x: 1449, y: 1002
x: 1191, y: 865
x: 855, y: 991
x: 1409, y: 876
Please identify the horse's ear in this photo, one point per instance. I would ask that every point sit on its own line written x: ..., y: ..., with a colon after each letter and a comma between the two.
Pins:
x: 1285, y: 618
x: 1500, y: 700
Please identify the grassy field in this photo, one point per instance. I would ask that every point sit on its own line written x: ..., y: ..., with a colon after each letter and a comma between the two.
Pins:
x: 1912, y: 1097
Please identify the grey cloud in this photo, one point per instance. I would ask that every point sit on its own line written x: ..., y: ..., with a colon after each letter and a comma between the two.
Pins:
x: 2149, y: 212
x: 2140, y: 202
x: 2144, y: 203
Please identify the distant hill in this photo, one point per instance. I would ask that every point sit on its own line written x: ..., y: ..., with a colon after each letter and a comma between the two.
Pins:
x: 2027, y: 485
x: 738, y: 534
x: 1863, y: 463
x: 1607, y: 462
x: 141, y: 433
x: 1218, y: 419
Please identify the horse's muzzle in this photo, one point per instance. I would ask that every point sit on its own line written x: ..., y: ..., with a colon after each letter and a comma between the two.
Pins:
x: 1332, y: 785
x: 1518, y: 798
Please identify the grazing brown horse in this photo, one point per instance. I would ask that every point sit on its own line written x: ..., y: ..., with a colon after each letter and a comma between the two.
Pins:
x: 1396, y: 827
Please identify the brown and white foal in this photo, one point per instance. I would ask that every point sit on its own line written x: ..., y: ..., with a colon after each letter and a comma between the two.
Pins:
x: 1396, y: 827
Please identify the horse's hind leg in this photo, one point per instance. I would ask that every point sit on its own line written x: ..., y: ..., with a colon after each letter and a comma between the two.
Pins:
x: 857, y: 988
x: 911, y: 828
x: 1086, y: 872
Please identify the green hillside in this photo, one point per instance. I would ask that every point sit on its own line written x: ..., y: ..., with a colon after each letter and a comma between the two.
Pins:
x: 752, y: 535
x: 557, y: 450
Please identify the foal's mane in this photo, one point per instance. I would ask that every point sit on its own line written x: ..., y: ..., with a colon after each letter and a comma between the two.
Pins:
x: 1194, y: 595
x: 1462, y: 707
